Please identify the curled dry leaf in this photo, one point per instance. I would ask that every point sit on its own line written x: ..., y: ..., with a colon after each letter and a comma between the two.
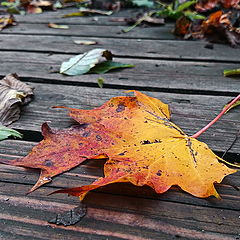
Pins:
x: 141, y: 145
x: 217, y: 28
x: 204, y: 5
x: 13, y: 94
x: 85, y: 42
x: 57, y: 26
x: 87, y: 11
x: 36, y: 6
x: 32, y: 6
x: 112, y: 5
x: 7, y: 20
x: 183, y: 26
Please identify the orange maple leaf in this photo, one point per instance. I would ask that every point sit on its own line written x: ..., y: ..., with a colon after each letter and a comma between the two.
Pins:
x: 140, y: 142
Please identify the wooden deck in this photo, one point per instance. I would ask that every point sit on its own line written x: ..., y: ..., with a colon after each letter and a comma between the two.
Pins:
x: 184, y: 74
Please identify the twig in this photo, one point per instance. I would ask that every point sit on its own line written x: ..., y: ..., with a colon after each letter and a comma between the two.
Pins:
x: 139, y: 21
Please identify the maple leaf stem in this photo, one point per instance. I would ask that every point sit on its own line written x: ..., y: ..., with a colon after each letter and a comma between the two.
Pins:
x: 197, y: 134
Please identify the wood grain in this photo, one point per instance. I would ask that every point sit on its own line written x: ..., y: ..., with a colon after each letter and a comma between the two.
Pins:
x: 142, y: 218
x: 155, y: 75
x: 160, y: 49
x: 187, y: 111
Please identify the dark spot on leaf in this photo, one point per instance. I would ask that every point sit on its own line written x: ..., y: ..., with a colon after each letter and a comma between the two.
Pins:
x: 145, y: 142
x: 159, y: 173
x: 81, y: 126
x: 48, y: 163
x: 120, y: 108
x: 86, y: 134
x: 122, y: 154
x: 98, y: 138
x: 109, y: 163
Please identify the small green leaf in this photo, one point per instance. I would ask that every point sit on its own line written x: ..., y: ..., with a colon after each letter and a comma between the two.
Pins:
x: 82, y: 63
x: 232, y: 72
x: 6, y: 132
x: 107, y: 66
x: 185, y: 5
x: 175, y: 10
x: 100, y: 82
x: 6, y: 4
x: 194, y: 15
x: 233, y: 106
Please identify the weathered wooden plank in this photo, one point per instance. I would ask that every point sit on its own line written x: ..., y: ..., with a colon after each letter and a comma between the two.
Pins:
x: 90, y: 170
x: 162, y: 32
x: 57, y: 17
x: 166, y: 49
x: 150, y: 74
x: 134, y: 217
x: 191, y: 112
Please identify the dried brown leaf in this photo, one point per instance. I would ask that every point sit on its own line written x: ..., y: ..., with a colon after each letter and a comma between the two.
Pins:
x: 6, y: 20
x: 205, y: 5
x: 13, y: 94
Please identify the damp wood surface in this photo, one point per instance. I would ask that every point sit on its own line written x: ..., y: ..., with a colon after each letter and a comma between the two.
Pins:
x: 184, y: 74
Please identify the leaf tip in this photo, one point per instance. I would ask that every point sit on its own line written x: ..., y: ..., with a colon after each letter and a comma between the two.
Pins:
x: 46, y: 130
x: 41, y: 181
